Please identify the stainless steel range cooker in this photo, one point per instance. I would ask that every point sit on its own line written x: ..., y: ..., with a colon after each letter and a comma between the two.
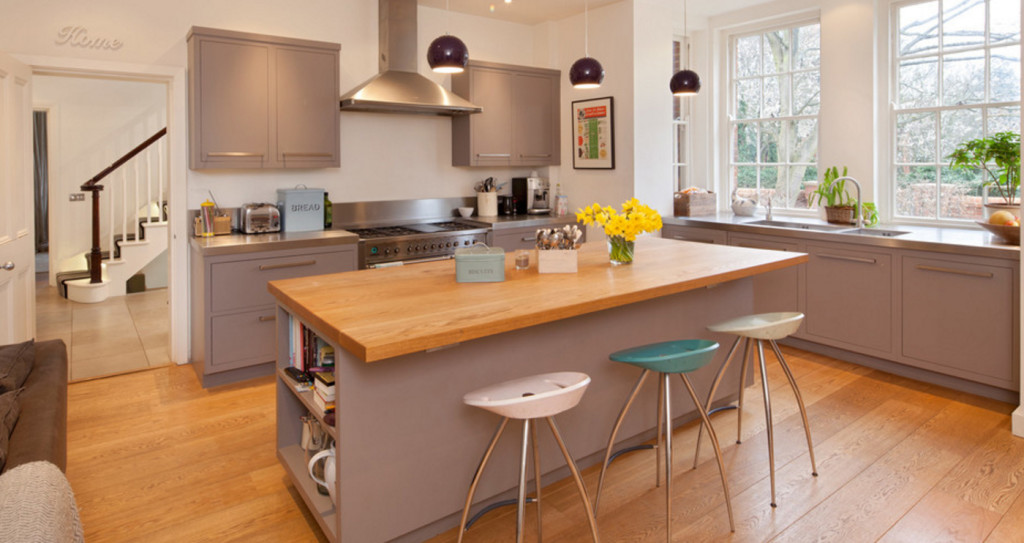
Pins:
x: 407, y: 231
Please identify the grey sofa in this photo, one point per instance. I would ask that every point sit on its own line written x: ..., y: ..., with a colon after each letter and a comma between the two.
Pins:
x: 41, y: 430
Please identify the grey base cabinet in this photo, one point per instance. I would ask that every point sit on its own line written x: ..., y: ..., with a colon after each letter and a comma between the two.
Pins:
x: 260, y: 101
x: 520, y: 123
x: 232, y: 312
x: 949, y: 314
x: 514, y: 239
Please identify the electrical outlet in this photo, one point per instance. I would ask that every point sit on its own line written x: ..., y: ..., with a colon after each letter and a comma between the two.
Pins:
x: 77, y: 197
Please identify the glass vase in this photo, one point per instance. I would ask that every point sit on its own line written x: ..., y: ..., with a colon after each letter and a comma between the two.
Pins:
x: 620, y: 251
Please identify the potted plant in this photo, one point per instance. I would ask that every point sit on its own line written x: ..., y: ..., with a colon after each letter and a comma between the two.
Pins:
x: 999, y: 157
x: 839, y: 205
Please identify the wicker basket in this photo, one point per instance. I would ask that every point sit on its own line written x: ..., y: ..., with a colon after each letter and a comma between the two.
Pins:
x: 694, y: 204
x: 839, y: 214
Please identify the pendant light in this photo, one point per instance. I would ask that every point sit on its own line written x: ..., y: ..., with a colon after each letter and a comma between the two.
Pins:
x: 685, y: 82
x: 447, y: 54
x: 587, y: 72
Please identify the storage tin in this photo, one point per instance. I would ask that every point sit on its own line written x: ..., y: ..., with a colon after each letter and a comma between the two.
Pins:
x: 480, y: 264
x: 302, y: 209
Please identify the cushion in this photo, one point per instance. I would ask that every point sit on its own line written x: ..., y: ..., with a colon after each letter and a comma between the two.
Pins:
x: 37, y: 505
x: 9, y: 411
x: 15, y: 364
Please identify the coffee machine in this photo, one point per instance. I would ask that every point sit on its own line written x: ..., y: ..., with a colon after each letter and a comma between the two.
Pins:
x: 532, y: 195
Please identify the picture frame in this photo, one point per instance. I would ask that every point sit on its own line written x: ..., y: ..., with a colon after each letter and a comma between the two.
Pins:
x: 593, y: 134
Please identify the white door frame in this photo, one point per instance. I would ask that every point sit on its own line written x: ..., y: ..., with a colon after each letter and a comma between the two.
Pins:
x: 177, y: 96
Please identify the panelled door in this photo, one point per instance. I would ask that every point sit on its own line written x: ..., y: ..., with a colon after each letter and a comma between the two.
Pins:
x: 17, y: 245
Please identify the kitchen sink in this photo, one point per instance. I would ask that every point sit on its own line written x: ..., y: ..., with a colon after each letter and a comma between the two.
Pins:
x: 798, y: 225
x: 874, y: 232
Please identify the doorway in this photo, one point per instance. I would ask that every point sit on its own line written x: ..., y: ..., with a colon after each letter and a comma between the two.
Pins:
x: 89, y: 122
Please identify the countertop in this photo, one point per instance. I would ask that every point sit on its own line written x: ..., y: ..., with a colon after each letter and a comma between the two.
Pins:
x: 383, y: 313
x: 501, y: 222
x: 965, y: 241
x: 236, y: 243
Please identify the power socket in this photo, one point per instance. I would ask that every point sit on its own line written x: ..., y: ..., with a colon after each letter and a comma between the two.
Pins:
x: 76, y: 197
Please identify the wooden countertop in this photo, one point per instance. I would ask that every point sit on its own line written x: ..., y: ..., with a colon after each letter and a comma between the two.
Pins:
x: 382, y: 313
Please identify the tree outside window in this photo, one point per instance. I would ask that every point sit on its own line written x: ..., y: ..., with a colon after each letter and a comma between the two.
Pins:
x: 956, y: 66
x: 775, y: 89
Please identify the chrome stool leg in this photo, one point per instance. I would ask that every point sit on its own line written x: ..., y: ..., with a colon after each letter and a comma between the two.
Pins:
x: 660, y: 447
x: 748, y: 353
x: 767, y: 416
x: 536, y: 477
x: 668, y: 457
x: 576, y: 476
x: 476, y: 476
x: 711, y: 394
x: 706, y: 421
x: 799, y: 402
x: 521, y: 505
x: 615, y: 431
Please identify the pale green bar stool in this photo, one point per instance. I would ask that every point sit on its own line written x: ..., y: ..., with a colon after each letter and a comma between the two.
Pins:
x: 756, y: 329
x: 667, y: 358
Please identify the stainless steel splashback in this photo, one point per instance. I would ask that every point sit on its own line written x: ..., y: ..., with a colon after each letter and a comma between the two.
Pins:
x: 353, y: 214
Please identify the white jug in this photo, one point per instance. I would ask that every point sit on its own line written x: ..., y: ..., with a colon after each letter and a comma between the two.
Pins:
x: 329, y: 471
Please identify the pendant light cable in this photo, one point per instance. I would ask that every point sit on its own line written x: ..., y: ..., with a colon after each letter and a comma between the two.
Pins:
x: 587, y: 72
x: 586, y: 29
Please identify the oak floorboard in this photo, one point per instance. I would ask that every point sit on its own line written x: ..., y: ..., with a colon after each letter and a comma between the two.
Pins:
x: 154, y: 457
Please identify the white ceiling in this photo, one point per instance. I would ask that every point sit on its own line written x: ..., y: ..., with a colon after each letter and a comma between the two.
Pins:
x: 537, y: 11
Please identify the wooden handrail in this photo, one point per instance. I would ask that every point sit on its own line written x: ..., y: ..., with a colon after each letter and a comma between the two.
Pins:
x: 128, y: 156
x: 96, y: 254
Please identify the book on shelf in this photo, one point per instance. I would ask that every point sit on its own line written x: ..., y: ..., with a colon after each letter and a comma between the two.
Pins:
x: 307, y: 351
x: 323, y: 381
x: 324, y: 404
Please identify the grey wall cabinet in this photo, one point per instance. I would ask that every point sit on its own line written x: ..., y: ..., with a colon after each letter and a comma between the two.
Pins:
x: 960, y: 315
x: 262, y: 101
x: 232, y: 312
x: 520, y: 122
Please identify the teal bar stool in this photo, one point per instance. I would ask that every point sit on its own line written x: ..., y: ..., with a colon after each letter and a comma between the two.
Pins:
x: 667, y: 358
x: 757, y: 329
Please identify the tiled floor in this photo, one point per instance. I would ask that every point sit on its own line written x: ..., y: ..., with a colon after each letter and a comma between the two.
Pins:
x: 121, y: 334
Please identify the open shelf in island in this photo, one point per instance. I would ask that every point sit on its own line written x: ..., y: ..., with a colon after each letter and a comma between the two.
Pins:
x: 294, y: 461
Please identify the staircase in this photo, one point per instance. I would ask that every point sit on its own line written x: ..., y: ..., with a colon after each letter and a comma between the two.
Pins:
x: 129, y: 226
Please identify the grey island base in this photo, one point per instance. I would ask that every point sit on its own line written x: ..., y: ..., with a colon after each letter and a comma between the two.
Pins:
x: 408, y: 446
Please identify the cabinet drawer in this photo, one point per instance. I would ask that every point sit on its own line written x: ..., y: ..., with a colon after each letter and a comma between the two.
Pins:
x: 960, y: 316
x: 243, y: 284
x: 514, y: 240
x: 849, y: 298
x: 242, y: 339
x: 691, y: 233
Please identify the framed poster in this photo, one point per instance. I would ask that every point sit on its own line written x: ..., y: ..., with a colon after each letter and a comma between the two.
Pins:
x: 593, y: 138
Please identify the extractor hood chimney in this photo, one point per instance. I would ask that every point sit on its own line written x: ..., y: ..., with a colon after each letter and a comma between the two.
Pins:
x: 398, y: 88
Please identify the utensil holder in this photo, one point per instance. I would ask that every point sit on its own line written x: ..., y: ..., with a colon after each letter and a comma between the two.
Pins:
x: 487, y: 204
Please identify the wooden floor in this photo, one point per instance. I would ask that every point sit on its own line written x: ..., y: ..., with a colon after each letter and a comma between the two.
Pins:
x: 152, y: 457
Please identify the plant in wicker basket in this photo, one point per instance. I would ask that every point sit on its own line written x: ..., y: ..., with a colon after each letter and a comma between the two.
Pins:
x: 840, y: 207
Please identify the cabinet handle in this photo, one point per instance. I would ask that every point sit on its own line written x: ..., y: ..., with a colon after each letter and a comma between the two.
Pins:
x: 530, y: 238
x: 848, y: 258
x: 983, y: 275
x: 494, y: 155
x: 548, y: 155
x: 308, y: 155
x: 266, y: 267
x: 267, y: 318
x: 236, y: 154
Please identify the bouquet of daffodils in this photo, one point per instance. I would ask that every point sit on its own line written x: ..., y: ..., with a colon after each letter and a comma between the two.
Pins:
x: 635, y: 219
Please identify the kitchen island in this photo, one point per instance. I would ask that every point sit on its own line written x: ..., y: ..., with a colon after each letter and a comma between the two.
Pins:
x: 410, y: 341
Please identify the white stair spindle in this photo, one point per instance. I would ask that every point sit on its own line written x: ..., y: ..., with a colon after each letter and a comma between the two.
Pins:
x: 149, y: 186
x: 124, y: 207
x: 160, y: 178
x: 135, y: 199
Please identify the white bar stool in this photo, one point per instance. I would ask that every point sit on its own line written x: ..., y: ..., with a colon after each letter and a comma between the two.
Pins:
x: 528, y: 399
x: 758, y: 329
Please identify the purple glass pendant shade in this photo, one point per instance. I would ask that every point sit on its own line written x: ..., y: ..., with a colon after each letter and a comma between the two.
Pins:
x: 685, y: 82
x: 447, y: 54
x: 586, y: 73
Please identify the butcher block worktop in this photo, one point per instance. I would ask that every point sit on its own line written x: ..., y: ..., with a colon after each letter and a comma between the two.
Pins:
x: 383, y: 313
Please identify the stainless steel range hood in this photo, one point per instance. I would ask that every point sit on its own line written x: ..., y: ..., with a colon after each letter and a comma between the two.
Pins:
x: 398, y: 88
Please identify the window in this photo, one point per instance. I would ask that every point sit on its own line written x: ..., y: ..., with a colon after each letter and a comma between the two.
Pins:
x: 956, y: 77
x: 680, y: 123
x: 774, y: 84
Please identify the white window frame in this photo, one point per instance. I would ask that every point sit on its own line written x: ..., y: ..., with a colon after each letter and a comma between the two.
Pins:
x: 888, y: 51
x: 681, y: 163
x: 729, y: 36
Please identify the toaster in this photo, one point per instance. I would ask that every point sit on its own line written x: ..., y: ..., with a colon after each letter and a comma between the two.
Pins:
x: 259, y: 218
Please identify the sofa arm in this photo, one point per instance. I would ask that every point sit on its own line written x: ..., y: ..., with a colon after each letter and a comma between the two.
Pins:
x: 41, y: 432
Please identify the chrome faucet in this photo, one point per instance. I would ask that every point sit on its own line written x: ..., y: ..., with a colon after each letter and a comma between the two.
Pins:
x: 768, y: 214
x: 857, y: 211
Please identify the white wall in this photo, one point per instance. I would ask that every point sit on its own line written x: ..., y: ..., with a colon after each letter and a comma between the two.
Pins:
x: 92, y: 122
